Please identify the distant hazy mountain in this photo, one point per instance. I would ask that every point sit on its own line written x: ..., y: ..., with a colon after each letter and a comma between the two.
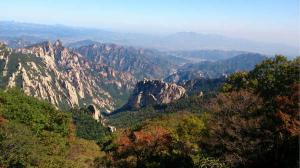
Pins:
x: 178, y: 41
x: 191, y: 40
x: 217, y: 69
x: 206, y: 55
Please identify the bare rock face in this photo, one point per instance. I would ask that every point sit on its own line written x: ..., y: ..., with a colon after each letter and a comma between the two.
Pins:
x: 139, y: 62
x: 101, y: 74
x: 4, y: 53
x: 94, y: 112
x: 62, y: 77
x: 154, y: 92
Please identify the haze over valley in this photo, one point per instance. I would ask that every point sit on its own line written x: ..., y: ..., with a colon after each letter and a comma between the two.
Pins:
x: 149, y: 84
x: 19, y: 34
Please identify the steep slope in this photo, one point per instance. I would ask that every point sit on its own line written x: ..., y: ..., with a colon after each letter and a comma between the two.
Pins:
x: 100, y: 74
x: 35, y: 134
x: 153, y: 92
x: 139, y: 62
x: 64, y: 78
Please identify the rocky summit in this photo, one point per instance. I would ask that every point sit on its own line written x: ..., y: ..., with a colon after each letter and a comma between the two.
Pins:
x: 136, y: 61
x: 105, y: 74
x: 154, y: 92
x: 65, y: 78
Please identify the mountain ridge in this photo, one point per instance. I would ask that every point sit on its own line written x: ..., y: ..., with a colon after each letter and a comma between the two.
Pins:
x: 100, y: 74
x: 175, y: 41
x: 153, y: 92
x: 52, y: 72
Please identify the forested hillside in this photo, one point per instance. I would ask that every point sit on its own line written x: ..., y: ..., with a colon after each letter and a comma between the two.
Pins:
x: 252, y: 121
x: 35, y: 134
x: 249, y: 120
x: 149, y: 84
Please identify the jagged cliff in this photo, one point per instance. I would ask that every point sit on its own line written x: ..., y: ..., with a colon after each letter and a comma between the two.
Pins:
x: 136, y: 61
x: 65, y: 78
x: 153, y: 92
x: 103, y: 74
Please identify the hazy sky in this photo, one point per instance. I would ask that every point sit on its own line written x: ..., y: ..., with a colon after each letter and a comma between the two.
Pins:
x: 261, y: 20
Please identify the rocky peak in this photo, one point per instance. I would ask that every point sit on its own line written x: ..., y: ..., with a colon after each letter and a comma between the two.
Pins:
x: 52, y: 72
x: 138, y: 62
x: 92, y: 109
x: 40, y: 49
x: 45, y: 47
x: 58, y: 44
x: 153, y: 92
x: 4, y: 48
x: 53, y: 54
x: 2, y: 43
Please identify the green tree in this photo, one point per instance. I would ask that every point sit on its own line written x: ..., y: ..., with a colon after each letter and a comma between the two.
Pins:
x: 276, y: 81
x: 274, y: 77
x: 236, y: 81
x: 86, y: 126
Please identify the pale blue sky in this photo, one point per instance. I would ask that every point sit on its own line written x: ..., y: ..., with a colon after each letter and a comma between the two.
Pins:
x: 260, y: 20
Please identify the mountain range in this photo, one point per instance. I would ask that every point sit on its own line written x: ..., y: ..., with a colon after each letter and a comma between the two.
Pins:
x: 64, y: 78
x: 22, y: 34
x: 216, y: 69
x: 102, y: 74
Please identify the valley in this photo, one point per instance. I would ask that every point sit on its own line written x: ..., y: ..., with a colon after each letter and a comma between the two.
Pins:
x: 149, y: 84
x: 100, y: 74
x: 103, y: 103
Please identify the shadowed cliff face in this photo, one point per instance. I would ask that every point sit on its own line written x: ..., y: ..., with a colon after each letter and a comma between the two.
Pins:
x: 153, y: 92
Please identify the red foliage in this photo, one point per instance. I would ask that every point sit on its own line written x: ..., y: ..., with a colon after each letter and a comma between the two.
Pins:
x: 288, y: 112
x: 3, y: 120
x: 142, y: 141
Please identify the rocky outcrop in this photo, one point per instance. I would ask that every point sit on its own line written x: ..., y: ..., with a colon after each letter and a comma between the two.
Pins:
x: 63, y: 77
x: 94, y: 112
x: 138, y: 62
x: 154, y: 92
x: 100, y: 74
x: 4, y: 53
